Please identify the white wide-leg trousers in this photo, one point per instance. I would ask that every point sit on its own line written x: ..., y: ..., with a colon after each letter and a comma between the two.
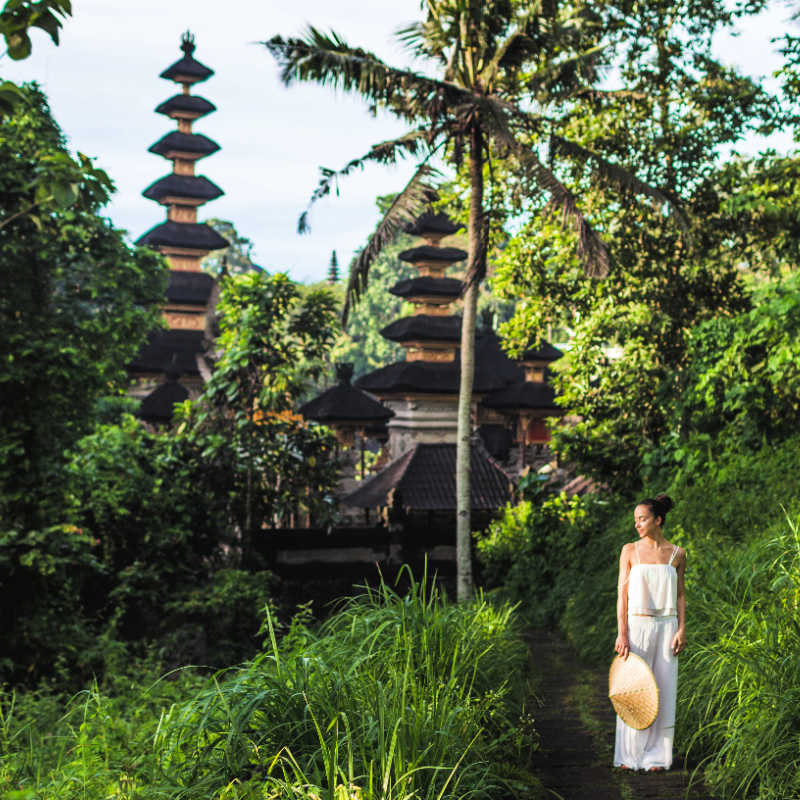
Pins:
x: 650, y: 638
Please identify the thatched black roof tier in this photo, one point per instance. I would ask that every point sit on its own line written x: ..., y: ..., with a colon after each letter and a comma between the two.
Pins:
x: 175, y: 350
x: 493, y: 370
x: 192, y: 103
x: 530, y: 395
x: 192, y: 235
x: 423, y: 479
x: 424, y: 327
x: 187, y: 67
x: 345, y: 403
x: 159, y: 405
x: 427, y: 286
x: 412, y: 376
x: 193, y: 288
x: 544, y: 351
x: 425, y: 252
x: 194, y: 187
x: 184, y: 143
x: 432, y: 223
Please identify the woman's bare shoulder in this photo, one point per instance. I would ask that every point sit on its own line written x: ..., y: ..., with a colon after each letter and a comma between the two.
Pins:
x: 627, y: 550
x: 680, y: 553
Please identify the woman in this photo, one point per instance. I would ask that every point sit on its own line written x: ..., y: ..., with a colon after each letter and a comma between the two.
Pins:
x: 651, y: 614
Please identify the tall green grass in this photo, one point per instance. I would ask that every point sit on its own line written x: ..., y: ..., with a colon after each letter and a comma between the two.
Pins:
x: 739, y: 686
x: 739, y: 680
x: 394, y: 697
x: 389, y: 696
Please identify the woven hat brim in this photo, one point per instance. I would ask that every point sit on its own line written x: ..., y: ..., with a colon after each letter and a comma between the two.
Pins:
x: 633, y: 691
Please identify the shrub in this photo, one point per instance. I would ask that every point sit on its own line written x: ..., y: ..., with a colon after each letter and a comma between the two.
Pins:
x: 537, y: 550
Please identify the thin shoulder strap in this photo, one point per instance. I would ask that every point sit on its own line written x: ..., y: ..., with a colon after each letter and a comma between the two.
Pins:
x: 638, y: 557
x: 674, y: 553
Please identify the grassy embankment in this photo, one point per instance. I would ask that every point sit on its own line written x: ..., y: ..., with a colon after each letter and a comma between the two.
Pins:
x: 393, y: 697
x: 739, y: 683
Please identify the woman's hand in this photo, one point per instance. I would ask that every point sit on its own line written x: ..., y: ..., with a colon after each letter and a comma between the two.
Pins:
x: 678, y: 642
x: 622, y: 646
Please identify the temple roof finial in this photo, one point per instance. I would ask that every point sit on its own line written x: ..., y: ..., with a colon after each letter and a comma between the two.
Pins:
x: 344, y: 373
x: 187, y: 42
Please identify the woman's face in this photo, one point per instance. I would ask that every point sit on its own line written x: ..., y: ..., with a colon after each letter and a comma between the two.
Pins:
x: 644, y: 521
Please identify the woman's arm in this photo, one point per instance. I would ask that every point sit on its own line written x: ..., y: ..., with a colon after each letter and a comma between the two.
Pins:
x: 679, y: 639
x: 622, y: 646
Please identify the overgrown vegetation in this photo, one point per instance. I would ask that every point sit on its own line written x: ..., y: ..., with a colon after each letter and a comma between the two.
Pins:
x: 152, y: 546
x: 738, y: 502
x: 393, y: 697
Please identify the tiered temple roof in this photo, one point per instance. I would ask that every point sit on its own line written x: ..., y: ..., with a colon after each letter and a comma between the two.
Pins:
x: 432, y: 226
x: 431, y: 335
x: 157, y: 408
x: 428, y: 286
x: 423, y: 479
x: 181, y: 238
x: 512, y: 398
x: 345, y: 404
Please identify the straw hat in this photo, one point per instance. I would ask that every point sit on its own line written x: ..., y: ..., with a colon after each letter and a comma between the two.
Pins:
x: 633, y: 691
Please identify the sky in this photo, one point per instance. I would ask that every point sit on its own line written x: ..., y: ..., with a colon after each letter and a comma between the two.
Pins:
x: 103, y: 86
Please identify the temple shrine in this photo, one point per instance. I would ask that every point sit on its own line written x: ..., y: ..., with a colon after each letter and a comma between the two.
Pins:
x: 511, y: 399
x: 166, y: 370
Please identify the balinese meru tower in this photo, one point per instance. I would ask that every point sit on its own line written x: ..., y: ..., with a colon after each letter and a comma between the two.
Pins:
x: 172, y: 354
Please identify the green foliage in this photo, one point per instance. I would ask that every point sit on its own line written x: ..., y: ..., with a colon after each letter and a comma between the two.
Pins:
x: 740, y: 385
x: 46, y: 578
x: 75, y: 306
x: 740, y: 684
x: 236, y: 259
x: 266, y: 460
x: 756, y: 206
x: 141, y: 561
x: 19, y: 16
x: 536, y: 549
x: 144, y: 499
x: 394, y: 696
x: 671, y: 108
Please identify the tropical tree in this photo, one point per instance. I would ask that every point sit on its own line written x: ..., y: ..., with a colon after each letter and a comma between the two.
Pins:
x: 500, y: 65
x: 53, y: 187
x: 75, y: 306
x: 268, y: 461
x: 236, y: 258
x: 625, y: 370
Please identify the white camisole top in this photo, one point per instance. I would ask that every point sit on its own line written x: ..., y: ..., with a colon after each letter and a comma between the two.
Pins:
x: 653, y: 588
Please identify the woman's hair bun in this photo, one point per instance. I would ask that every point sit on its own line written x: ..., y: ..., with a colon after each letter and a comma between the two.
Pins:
x: 665, y: 502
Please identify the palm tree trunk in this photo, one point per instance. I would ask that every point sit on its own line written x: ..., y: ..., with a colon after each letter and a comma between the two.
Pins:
x: 463, y: 504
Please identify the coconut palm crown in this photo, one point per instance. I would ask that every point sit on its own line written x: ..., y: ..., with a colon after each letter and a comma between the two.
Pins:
x: 501, y: 66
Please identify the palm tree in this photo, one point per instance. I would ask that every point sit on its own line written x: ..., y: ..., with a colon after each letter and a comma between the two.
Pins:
x: 501, y: 64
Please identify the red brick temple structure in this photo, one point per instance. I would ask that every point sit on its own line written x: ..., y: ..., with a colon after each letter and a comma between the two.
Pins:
x: 166, y: 370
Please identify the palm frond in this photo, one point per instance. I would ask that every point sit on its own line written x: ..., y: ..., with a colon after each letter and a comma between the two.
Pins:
x: 558, y: 72
x: 387, y: 152
x: 409, y: 204
x: 326, y: 58
x: 590, y: 93
x: 592, y: 250
x: 622, y: 178
x: 519, y: 33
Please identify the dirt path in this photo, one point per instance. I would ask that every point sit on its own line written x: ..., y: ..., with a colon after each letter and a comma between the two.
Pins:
x: 576, y: 724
